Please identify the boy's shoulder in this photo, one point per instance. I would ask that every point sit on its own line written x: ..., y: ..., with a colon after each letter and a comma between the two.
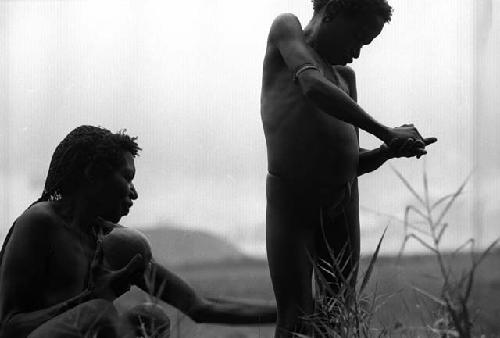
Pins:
x: 285, y: 24
x: 345, y: 71
x: 285, y: 18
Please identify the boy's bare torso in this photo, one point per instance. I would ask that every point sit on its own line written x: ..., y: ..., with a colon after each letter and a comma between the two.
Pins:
x: 304, y: 143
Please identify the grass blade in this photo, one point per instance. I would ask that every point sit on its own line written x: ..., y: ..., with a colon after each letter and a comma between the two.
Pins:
x: 441, y: 232
x: 464, y: 245
x: 426, y: 189
x: 416, y: 210
x: 369, y: 270
x: 452, y: 200
x: 408, y: 185
x: 400, y: 253
x: 441, y: 200
x: 428, y: 295
x: 423, y: 243
x: 485, y: 252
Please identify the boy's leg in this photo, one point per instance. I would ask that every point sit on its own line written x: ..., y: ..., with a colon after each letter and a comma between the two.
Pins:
x: 95, y: 318
x: 339, y: 235
x: 289, y: 241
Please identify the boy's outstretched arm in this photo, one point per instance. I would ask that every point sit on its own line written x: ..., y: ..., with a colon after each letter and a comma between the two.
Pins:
x: 172, y: 289
x: 370, y: 160
x: 287, y: 36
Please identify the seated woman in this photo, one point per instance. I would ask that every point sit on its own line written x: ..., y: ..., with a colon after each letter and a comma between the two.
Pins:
x: 54, y: 280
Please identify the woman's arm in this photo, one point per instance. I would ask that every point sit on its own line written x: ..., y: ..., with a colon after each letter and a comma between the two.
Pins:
x: 173, y: 290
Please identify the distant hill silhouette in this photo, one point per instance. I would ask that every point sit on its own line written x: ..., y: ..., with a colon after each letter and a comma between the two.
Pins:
x: 175, y: 246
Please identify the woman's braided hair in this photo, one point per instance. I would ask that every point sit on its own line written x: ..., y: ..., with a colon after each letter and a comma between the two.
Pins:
x: 84, y: 145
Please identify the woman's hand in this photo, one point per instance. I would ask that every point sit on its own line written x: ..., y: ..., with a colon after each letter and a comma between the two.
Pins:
x: 111, y: 284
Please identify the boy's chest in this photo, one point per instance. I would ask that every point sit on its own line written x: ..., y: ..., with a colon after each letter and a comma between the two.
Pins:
x: 336, y: 78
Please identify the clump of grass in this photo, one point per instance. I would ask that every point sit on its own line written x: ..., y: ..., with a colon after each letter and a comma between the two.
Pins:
x: 154, y: 328
x: 454, y: 315
x: 348, y: 312
x: 343, y: 309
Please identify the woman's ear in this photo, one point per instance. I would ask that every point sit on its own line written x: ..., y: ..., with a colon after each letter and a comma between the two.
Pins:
x: 90, y: 173
x: 97, y: 171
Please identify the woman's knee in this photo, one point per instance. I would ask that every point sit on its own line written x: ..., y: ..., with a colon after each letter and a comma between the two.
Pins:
x: 101, y: 308
x: 99, y: 316
x: 99, y: 303
x: 96, y: 317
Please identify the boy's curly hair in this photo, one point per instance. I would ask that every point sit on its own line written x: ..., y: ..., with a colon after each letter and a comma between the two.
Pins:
x: 355, y: 7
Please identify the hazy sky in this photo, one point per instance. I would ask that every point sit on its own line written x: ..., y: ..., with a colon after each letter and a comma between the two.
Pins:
x: 184, y: 76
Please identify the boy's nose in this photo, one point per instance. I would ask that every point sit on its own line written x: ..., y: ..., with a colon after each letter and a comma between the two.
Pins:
x: 133, y: 193
x: 356, y: 52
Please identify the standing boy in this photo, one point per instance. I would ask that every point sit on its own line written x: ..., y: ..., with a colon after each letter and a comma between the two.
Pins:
x: 311, y: 121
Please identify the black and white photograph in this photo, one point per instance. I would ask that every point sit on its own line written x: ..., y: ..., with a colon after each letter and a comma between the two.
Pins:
x: 249, y: 169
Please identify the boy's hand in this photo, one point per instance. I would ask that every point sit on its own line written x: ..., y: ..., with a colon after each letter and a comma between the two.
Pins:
x: 402, y: 148
x: 410, y: 147
x: 405, y: 132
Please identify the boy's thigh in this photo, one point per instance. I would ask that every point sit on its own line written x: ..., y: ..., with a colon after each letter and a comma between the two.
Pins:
x: 290, y: 250
x: 338, y: 237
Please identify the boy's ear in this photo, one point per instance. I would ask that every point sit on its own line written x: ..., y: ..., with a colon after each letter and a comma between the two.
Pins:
x: 331, y: 11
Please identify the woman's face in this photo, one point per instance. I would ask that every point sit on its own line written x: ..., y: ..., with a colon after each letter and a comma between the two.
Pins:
x: 115, y: 192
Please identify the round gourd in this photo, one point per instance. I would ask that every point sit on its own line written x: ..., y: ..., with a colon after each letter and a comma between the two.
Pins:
x: 122, y: 244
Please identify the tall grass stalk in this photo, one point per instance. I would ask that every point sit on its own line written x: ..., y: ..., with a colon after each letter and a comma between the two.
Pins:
x: 454, y: 298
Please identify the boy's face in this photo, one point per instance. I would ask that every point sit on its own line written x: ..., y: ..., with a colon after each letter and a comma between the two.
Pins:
x: 115, y: 192
x: 341, y: 38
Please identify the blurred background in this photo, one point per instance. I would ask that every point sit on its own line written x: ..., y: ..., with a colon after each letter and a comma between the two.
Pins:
x: 184, y: 76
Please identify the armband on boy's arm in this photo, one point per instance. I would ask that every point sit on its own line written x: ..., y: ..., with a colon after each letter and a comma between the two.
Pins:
x: 300, y: 69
